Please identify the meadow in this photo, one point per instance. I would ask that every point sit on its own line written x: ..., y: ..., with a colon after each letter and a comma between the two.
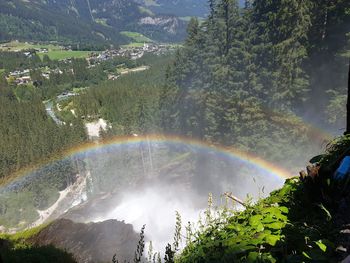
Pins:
x: 55, y: 52
x: 137, y: 39
x: 64, y: 54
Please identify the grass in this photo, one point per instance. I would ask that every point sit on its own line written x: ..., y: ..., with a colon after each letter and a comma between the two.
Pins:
x: 345, y: 54
x: 78, y: 90
x: 101, y: 21
x: 24, y: 235
x: 64, y: 54
x: 19, y: 248
x: 136, y: 37
x: 145, y: 11
x: 18, y: 46
x: 133, y: 44
x: 151, y: 3
x: 55, y: 52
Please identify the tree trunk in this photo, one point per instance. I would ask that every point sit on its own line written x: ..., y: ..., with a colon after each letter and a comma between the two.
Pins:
x: 348, y: 107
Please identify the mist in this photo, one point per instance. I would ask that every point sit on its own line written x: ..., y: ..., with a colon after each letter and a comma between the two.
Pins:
x: 141, y: 184
x: 182, y: 186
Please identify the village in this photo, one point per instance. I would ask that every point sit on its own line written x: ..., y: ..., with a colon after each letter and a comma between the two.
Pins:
x: 133, y: 53
x: 23, y: 77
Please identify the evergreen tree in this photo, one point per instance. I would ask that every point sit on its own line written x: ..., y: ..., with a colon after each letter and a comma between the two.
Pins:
x: 281, y: 50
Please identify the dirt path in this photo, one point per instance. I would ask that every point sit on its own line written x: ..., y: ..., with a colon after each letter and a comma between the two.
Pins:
x: 45, y: 214
x: 138, y: 69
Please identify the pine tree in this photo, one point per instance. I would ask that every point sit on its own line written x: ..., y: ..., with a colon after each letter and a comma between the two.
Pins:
x: 281, y: 49
x: 211, y: 4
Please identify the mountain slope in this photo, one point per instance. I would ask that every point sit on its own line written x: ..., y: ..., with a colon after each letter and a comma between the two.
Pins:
x: 82, y: 21
x: 180, y: 8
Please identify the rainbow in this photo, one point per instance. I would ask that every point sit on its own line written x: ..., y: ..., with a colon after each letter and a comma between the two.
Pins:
x: 230, y: 152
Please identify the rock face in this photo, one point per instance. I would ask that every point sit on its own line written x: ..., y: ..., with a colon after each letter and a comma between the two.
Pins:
x: 93, y: 242
x: 169, y: 24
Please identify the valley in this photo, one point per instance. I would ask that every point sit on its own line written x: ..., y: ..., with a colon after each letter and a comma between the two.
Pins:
x: 173, y: 131
x: 88, y: 24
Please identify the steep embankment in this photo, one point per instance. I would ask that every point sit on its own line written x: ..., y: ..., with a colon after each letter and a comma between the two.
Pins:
x: 305, y: 221
x: 93, y: 242
x: 88, y: 243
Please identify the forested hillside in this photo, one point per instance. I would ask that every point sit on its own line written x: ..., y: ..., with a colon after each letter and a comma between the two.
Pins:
x: 182, y: 8
x: 28, y: 135
x: 239, y: 81
x: 249, y: 77
x: 84, y: 22
x: 131, y: 104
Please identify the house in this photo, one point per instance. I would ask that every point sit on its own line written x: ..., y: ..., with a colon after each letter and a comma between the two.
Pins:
x: 23, y: 80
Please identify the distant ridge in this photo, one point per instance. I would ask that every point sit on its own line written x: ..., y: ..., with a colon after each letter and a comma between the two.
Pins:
x: 86, y: 21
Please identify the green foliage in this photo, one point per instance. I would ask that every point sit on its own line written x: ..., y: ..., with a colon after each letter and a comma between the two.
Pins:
x: 62, y: 76
x: 62, y: 54
x: 245, y: 75
x: 169, y: 254
x: 136, y: 37
x: 74, y: 23
x: 130, y: 104
x: 336, y: 112
x: 336, y: 150
x: 11, y: 61
x: 38, y: 191
x: 46, y: 254
x: 28, y: 135
x: 140, y: 246
x: 291, y: 225
x: 285, y: 227
x: 177, y: 234
x: 17, y: 248
x: 239, y: 79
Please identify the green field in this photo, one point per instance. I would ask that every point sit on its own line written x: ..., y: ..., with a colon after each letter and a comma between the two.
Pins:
x: 133, y: 44
x: 18, y: 46
x: 55, y: 52
x: 101, y: 21
x: 151, y: 3
x: 146, y: 11
x: 136, y: 37
x: 63, y: 54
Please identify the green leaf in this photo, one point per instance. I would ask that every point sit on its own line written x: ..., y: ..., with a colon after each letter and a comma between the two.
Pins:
x: 275, y: 225
x: 255, y: 220
x: 284, y: 209
x: 329, y: 216
x: 272, y: 239
x: 253, y: 256
x: 322, y: 246
x: 260, y: 227
x: 306, y: 255
x: 317, y: 159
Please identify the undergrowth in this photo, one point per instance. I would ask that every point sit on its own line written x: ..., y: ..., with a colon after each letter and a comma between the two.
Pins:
x: 297, y: 223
